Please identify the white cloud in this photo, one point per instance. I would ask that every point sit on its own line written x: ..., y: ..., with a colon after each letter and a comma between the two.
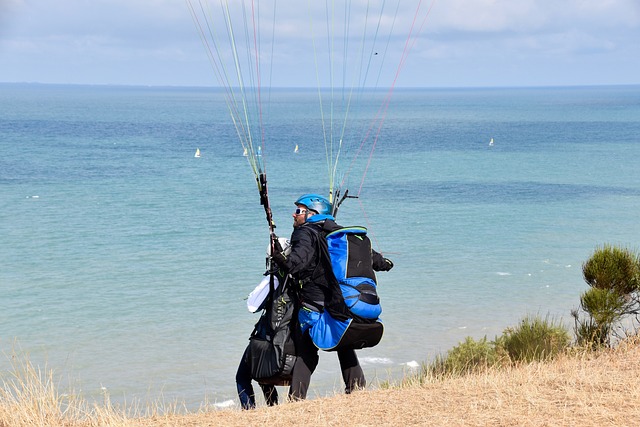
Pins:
x: 138, y: 36
x: 534, y: 15
x: 462, y: 28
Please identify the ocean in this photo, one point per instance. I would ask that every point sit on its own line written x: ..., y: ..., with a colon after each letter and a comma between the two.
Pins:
x: 125, y: 261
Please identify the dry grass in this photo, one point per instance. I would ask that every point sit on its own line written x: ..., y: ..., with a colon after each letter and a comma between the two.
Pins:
x: 580, y: 390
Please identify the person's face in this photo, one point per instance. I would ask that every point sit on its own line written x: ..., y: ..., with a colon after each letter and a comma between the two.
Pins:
x: 300, y: 215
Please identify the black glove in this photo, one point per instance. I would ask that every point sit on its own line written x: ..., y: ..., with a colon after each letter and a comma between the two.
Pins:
x: 278, y: 253
x: 280, y: 259
x: 277, y: 247
x: 388, y: 265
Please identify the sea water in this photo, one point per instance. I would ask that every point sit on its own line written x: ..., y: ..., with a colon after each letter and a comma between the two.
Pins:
x: 125, y: 261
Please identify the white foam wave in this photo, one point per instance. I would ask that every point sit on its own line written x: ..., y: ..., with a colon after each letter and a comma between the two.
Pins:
x: 413, y: 364
x: 376, y: 361
x: 225, y: 404
x: 503, y: 273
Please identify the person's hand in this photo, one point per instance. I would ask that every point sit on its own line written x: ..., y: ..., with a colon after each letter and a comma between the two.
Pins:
x: 278, y: 255
x: 388, y: 265
x: 280, y: 259
x: 277, y: 247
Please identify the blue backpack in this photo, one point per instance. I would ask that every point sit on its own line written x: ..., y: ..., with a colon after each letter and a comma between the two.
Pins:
x: 351, y: 316
x: 349, y: 251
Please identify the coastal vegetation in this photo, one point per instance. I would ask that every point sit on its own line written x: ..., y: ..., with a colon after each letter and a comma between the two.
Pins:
x: 533, y: 339
x: 613, y: 276
x: 532, y: 374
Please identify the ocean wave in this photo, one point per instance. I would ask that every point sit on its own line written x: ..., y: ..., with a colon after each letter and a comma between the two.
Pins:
x: 376, y: 361
x: 225, y: 404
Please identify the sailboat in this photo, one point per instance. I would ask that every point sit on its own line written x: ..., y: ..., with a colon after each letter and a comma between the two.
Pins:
x: 197, y: 153
x: 491, y: 143
x: 295, y: 150
x: 245, y: 153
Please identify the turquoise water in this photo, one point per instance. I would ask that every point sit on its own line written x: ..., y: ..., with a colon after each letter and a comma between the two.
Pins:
x: 125, y: 261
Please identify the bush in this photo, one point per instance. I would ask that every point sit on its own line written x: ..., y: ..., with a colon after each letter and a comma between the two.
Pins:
x: 614, y: 277
x: 613, y: 268
x: 605, y: 308
x: 468, y: 356
x: 534, y: 339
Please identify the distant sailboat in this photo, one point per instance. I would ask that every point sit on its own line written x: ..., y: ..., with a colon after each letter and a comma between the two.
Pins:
x: 491, y: 143
x: 245, y: 153
x: 197, y: 153
x: 295, y: 150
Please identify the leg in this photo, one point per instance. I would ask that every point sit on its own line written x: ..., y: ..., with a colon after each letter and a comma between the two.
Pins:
x: 270, y: 394
x: 351, y: 371
x: 243, y: 383
x: 306, y: 363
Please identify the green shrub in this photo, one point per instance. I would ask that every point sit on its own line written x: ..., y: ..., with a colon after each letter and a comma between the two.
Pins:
x: 613, y: 275
x: 534, y: 339
x: 468, y: 356
x: 613, y: 268
x: 604, y: 308
x: 589, y: 334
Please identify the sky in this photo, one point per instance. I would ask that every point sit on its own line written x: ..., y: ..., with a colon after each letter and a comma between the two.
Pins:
x: 463, y: 43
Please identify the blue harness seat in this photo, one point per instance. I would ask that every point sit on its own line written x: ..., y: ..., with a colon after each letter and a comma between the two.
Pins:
x: 330, y: 334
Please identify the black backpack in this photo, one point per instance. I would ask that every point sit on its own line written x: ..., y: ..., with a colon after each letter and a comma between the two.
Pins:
x: 271, y: 345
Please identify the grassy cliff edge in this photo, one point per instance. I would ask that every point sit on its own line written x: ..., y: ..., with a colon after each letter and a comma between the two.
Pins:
x: 588, y: 389
x: 581, y: 389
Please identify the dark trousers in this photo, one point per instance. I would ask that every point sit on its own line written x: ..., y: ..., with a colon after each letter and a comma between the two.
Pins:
x: 307, y: 361
x: 245, y: 388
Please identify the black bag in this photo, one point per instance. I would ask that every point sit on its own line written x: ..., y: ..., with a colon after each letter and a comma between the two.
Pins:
x: 271, y: 345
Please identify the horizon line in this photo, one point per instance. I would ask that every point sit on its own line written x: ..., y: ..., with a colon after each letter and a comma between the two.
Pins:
x: 168, y: 86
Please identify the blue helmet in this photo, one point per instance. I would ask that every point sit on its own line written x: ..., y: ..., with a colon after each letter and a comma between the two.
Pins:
x: 315, y: 202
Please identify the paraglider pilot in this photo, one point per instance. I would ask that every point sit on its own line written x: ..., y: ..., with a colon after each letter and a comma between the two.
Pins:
x: 304, y: 263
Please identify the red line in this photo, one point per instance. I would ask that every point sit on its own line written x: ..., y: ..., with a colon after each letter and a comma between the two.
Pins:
x: 385, y: 105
